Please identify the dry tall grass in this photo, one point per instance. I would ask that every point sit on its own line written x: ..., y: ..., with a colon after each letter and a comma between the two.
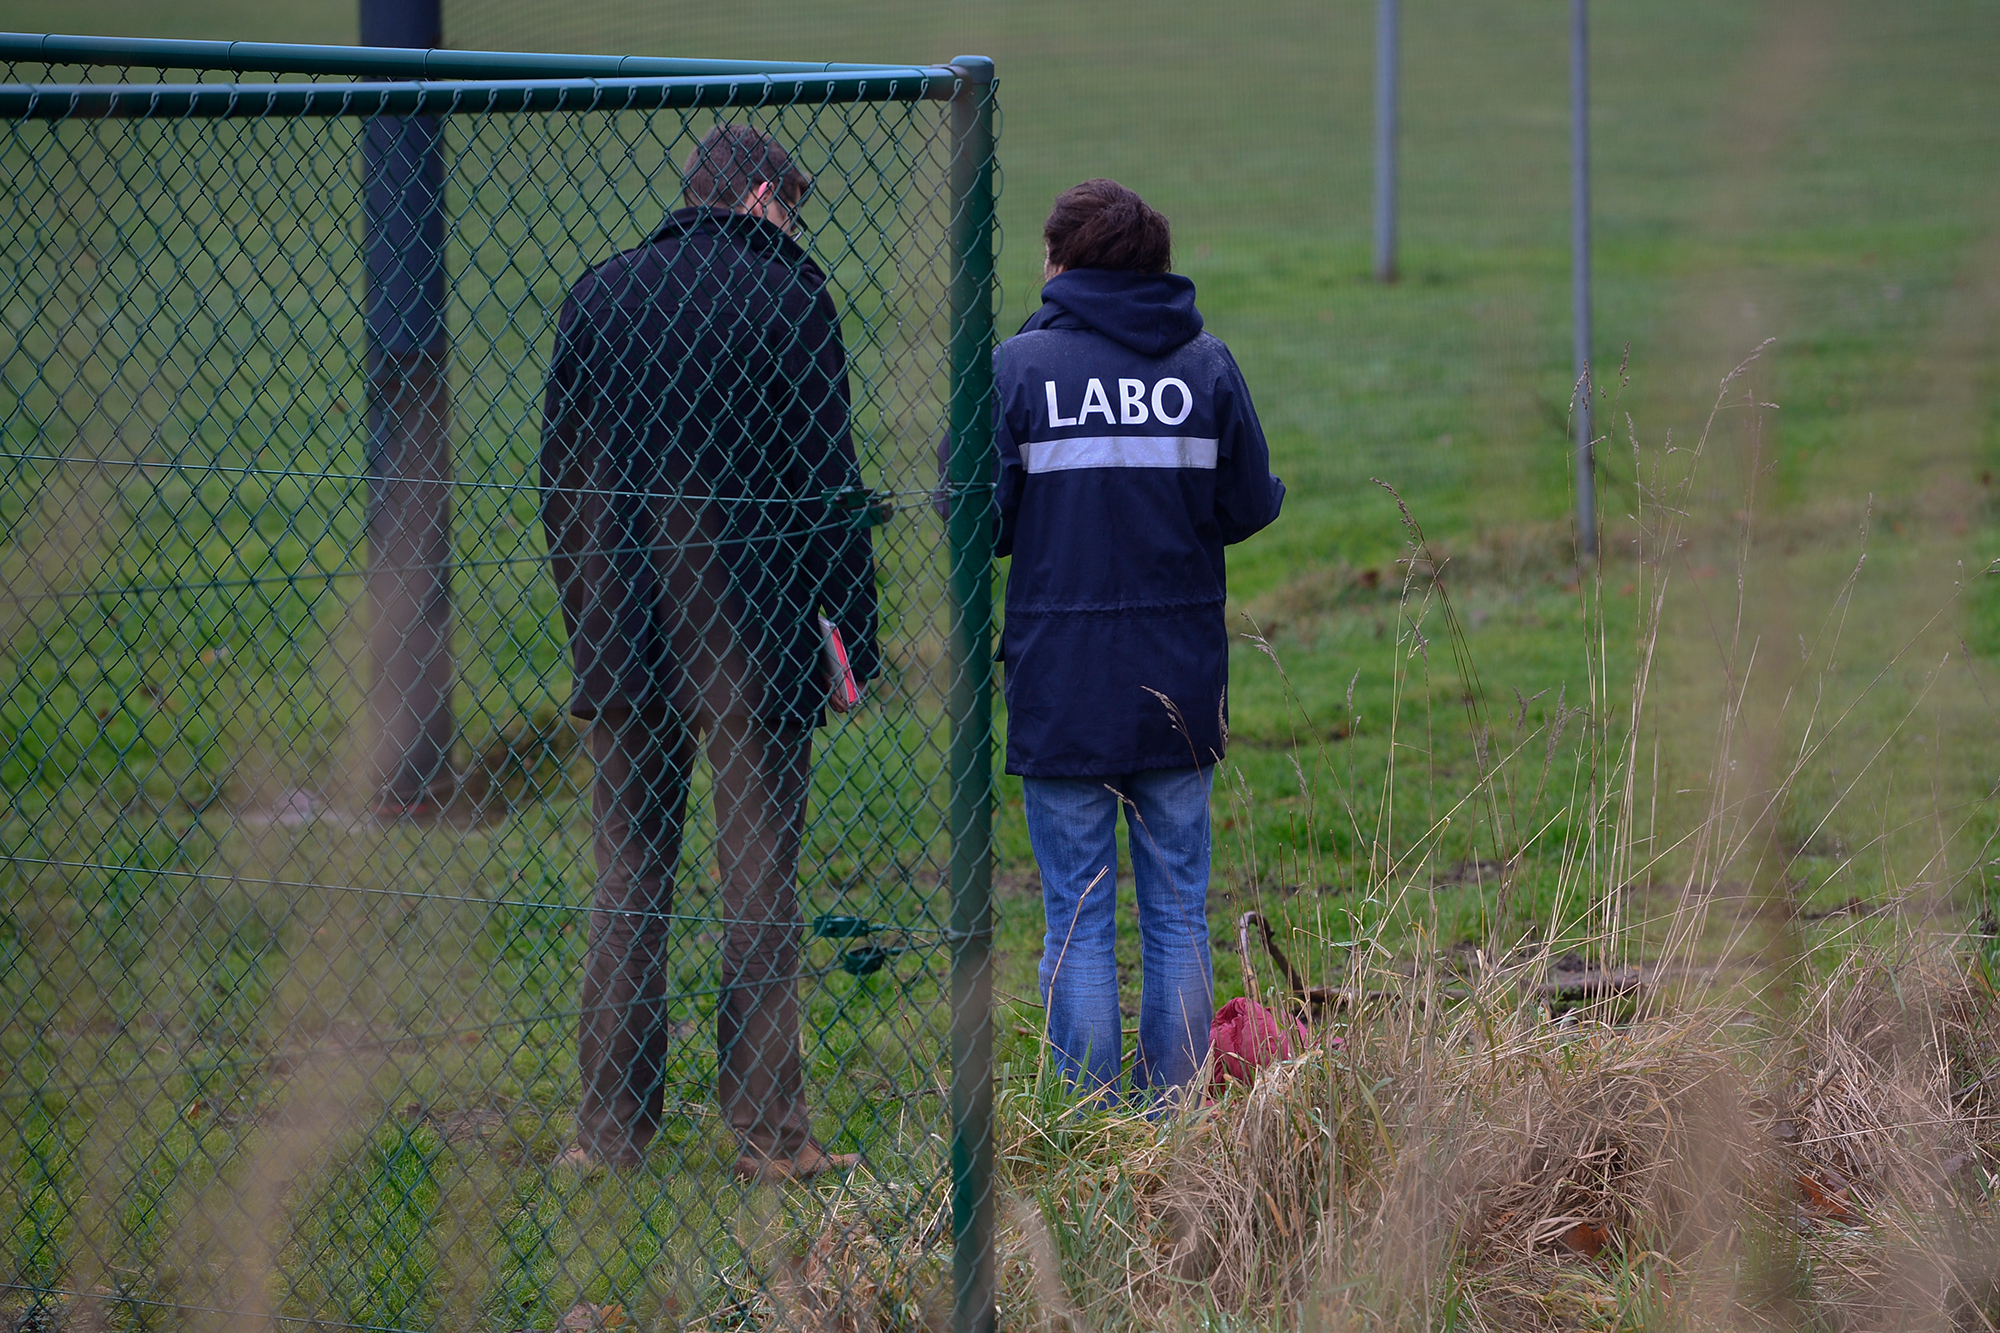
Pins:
x: 1477, y: 1165
x: 1749, y: 1130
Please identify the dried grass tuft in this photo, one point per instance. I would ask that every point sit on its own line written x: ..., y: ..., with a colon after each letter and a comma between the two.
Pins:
x: 1745, y: 1132
x: 1553, y: 1175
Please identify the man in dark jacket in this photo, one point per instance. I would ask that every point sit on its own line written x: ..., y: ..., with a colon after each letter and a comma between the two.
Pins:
x: 695, y: 449
x: 1130, y: 456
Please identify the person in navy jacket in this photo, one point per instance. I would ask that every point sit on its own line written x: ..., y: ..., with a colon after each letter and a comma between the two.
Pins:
x: 1130, y: 456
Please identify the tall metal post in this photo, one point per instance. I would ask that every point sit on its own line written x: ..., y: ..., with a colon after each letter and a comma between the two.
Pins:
x: 409, y: 440
x: 1579, y: 179
x: 970, y: 532
x: 1388, y: 63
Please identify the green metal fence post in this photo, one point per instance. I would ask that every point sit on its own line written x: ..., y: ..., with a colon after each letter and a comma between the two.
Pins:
x: 971, y: 703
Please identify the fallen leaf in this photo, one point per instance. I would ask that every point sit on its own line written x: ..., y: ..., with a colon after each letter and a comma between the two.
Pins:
x: 1585, y: 1238
x: 1824, y: 1197
x: 583, y: 1317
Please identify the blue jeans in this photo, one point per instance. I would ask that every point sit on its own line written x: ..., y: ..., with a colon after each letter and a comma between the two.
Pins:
x: 1072, y: 824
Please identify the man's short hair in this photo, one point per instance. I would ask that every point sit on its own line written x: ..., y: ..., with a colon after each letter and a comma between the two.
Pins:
x: 733, y: 160
x: 1101, y: 224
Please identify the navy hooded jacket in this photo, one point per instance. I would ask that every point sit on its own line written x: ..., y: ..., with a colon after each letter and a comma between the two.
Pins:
x: 1130, y: 455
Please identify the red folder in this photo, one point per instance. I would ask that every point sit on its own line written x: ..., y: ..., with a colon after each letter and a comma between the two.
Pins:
x: 842, y: 691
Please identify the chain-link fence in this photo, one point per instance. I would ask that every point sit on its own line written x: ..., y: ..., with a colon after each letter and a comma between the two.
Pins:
x: 300, y: 848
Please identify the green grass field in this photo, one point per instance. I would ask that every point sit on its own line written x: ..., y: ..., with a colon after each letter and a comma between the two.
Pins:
x: 1821, y: 174
x: 1816, y: 177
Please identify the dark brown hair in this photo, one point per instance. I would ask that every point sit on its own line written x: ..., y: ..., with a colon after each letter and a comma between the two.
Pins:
x: 733, y: 160
x: 1101, y: 224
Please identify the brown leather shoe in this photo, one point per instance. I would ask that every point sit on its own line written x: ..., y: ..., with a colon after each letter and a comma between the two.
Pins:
x: 810, y: 1161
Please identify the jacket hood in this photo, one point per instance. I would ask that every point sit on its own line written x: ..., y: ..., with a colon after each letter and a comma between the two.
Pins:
x: 1151, y: 313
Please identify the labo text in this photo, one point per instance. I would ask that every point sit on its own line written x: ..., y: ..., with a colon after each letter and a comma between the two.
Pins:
x: 1133, y: 399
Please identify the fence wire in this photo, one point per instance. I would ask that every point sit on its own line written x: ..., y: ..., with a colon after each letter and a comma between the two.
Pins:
x: 282, y: 1040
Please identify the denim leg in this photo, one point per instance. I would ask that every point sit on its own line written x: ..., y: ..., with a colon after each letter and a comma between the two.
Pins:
x: 1167, y: 814
x: 1073, y: 826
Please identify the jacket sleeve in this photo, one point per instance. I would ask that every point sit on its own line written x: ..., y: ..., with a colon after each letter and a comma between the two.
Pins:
x: 1247, y: 496
x: 941, y: 499
x: 818, y: 417
x: 593, y: 554
x: 1009, y: 474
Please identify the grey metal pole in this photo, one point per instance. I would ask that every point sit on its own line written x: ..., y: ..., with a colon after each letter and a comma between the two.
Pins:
x: 409, y: 440
x: 1388, y: 42
x: 1579, y: 112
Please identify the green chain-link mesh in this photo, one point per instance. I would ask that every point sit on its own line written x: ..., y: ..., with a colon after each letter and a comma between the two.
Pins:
x: 281, y: 1040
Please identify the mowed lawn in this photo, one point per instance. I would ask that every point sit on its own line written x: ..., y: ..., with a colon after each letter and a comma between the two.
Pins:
x: 1817, y: 174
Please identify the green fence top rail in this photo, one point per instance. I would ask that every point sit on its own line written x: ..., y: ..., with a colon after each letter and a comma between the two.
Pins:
x: 27, y: 101
x: 393, y: 62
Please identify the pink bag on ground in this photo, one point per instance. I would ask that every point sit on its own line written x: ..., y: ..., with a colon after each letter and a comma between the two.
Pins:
x: 1246, y: 1036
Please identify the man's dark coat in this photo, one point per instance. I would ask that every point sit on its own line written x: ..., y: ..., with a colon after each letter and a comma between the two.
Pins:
x: 1130, y: 455
x: 695, y: 438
